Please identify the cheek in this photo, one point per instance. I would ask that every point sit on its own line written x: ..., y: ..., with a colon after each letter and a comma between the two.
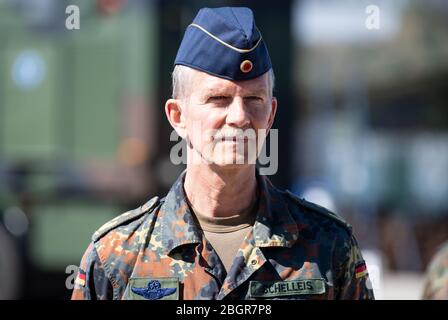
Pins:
x: 213, y: 119
x: 260, y: 117
x: 201, y: 126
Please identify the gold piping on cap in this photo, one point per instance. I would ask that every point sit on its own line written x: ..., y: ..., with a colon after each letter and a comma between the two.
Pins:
x: 225, y: 43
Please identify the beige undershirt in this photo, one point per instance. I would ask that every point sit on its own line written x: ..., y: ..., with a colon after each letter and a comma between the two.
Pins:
x: 226, y: 234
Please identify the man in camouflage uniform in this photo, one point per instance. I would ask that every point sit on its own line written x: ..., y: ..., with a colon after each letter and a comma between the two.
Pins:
x: 436, y: 286
x: 178, y: 247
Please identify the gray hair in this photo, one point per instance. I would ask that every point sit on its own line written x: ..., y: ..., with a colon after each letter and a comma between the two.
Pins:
x: 182, y: 78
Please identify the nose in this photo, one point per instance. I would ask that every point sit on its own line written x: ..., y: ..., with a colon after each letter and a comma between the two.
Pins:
x: 237, y: 114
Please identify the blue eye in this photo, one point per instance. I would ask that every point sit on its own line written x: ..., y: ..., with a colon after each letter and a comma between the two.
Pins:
x: 218, y: 98
x: 253, y: 98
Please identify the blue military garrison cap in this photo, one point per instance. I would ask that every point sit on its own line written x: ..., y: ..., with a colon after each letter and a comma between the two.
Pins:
x: 224, y: 42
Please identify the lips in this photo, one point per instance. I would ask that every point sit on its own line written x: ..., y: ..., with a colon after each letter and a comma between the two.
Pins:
x: 232, y: 139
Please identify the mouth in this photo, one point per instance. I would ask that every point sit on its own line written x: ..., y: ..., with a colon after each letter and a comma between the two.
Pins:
x: 233, y: 139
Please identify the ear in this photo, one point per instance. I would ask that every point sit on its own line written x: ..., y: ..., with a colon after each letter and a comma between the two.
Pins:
x: 272, y: 113
x: 173, y: 111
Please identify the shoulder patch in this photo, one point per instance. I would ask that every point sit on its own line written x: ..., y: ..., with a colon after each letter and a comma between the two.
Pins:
x: 125, y: 217
x: 319, y: 209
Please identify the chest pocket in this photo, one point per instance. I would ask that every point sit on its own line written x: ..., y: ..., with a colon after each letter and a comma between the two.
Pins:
x: 299, y: 289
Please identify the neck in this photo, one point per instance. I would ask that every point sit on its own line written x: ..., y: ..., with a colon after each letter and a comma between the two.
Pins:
x: 221, y: 192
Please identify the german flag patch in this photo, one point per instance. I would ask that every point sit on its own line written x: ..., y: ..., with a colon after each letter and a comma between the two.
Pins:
x: 360, y: 270
x: 81, y: 278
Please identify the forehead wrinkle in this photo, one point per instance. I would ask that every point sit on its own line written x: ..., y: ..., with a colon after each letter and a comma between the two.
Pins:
x: 219, y: 90
x: 210, y: 85
x: 215, y: 86
x: 262, y: 90
x: 254, y: 86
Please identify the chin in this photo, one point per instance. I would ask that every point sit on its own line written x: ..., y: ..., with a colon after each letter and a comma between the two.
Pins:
x: 230, y: 154
x: 232, y: 161
x: 230, y: 167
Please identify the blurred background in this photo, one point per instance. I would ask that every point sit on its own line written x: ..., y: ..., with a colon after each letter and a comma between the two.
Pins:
x: 363, y: 125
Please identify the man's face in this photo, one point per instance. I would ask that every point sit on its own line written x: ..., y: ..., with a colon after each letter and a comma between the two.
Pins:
x: 226, y: 121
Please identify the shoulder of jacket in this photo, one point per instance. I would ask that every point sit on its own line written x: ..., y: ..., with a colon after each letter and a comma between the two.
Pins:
x: 320, y: 210
x: 125, y: 218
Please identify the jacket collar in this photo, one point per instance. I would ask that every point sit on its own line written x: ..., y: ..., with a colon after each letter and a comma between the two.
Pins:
x: 274, y: 225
